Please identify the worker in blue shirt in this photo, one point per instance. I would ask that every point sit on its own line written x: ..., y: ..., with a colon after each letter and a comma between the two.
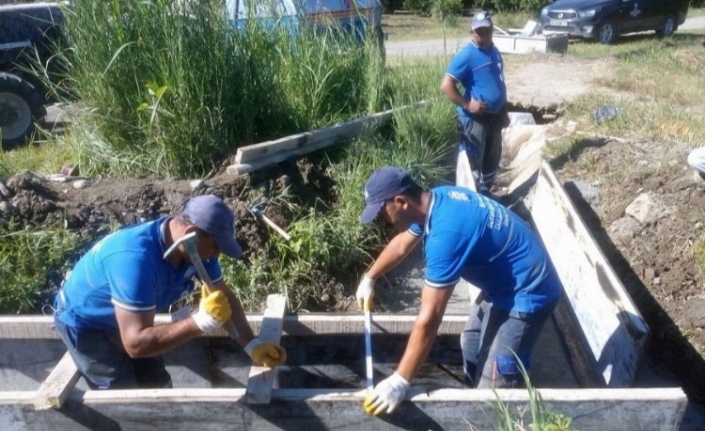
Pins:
x: 470, y: 236
x: 105, y: 310
x: 482, y: 107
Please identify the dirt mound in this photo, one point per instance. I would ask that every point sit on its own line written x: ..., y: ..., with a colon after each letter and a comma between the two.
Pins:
x: 93, y: 207
x: 645, y: 209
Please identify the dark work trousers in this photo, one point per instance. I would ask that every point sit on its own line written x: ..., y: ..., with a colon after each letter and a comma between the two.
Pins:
x: 494, y: 341
x: 482, y: 138
x: 103, y: 362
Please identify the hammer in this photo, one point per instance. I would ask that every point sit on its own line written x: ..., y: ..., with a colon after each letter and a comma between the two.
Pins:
x: 190, y: 243
x: 258, y: 212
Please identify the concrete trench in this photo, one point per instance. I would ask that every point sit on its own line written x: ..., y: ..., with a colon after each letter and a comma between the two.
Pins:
x: 322, y: 384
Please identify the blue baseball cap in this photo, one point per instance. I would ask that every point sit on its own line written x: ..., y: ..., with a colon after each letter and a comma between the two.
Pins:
x: 384, y: 184
x: 210, y: 214
x: 481, y: 19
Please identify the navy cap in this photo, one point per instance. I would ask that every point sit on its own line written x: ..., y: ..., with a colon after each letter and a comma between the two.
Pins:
x: 215, y: 218
x: 481, y: 19
x: 384, y: 184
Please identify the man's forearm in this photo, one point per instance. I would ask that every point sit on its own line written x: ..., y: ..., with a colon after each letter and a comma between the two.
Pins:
x: 157, y: 340
x: 420, y: 342
x: 394, y: 253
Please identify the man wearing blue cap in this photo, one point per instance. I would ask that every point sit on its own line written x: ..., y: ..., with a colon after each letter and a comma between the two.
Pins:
x: 465, y: 235
x: 482, y: 108
x: 105, y: 310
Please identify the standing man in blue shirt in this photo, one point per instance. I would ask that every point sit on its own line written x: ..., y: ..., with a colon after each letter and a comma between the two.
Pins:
x: 105, y: 310
x: 465, y: 235
x: 482, y: 107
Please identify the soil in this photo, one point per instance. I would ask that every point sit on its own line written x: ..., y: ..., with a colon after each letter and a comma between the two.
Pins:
x: 93, y: 207
x: 654, y: 260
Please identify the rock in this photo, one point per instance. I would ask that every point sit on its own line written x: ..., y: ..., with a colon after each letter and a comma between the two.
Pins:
x: 695, y: 312
x: 649, y: 273
x: 4, y: 191
x: 5, y: 207
x: 79, y: 184
x: 196, y: 184
x: 624, y: 229
x: 648, y: 208
x: 25, y: 180
x: 590, y: 193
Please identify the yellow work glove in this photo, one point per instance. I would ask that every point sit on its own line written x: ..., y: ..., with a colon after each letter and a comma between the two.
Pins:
x: 213, y: 311
x: 264, y: 353
x: 387, y: 395
x: 365, y: 293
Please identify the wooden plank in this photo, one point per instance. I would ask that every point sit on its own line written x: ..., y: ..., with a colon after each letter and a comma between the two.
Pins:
x: 614, y: 329
x: 659, y: 409
x: 57, y: 386
x: 40, y: 327
x: 260, y: 380
x: 253, y: 165
x: 329, y: 135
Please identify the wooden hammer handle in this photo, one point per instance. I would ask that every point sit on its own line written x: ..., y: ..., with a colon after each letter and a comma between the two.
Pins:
x: 274, y: 226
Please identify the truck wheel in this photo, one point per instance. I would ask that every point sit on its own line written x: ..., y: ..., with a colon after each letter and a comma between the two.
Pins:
x: 607, y: 32
x: 20, y: 106
x: 667, y: 28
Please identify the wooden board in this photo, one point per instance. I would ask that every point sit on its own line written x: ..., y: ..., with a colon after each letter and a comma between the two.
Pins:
x: 319, y: 409
x: 330, y: 134
x: 259, y: 382
x: 55, y: 389
x: 41, y: 327
x: 613, y: 329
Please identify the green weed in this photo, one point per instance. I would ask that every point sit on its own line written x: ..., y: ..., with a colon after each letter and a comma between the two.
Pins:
x: 30, y: 262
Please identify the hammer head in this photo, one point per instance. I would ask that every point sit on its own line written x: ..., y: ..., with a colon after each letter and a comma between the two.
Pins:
x: 258, y: 209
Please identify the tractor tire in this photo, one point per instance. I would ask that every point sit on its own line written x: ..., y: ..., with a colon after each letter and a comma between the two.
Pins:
x: 21, y: 105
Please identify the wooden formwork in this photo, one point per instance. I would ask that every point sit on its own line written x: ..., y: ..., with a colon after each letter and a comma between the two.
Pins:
x: 604, y: 331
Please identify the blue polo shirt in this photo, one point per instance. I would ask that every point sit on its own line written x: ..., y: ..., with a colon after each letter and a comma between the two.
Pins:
x: 471, y: 236
x: 126, y: 269
x: 481, y: 71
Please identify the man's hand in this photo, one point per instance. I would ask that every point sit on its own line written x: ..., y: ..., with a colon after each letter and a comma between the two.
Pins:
x: 267, y: 354
x: 387, y: 395
x: 213, y: 311
x: 365, y: 292
x: 476, y: 107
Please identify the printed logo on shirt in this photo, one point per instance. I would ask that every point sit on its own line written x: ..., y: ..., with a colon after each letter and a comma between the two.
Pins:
x: 458, y: 196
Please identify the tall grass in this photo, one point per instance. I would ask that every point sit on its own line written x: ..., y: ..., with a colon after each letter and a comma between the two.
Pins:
x: 327, y: 238
x: 172, y: 87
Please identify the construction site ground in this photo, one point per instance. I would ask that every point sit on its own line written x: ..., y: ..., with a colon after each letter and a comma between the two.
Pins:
x: 655, y: 261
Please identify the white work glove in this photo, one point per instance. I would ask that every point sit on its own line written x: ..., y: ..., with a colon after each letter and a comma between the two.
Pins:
x: 265, y: 353
x: 213, y: 311
x: 365, y: 292
x: 387, y: 395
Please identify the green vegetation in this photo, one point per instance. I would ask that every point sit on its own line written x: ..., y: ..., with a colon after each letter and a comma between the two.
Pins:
x: 168, y: 88
x: 28, y: 258
x: 152, y: 99
x: 647, y: 108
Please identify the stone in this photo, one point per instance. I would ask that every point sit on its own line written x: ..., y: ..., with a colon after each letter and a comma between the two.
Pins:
x: 80, y: 184
x: 648, y: 208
